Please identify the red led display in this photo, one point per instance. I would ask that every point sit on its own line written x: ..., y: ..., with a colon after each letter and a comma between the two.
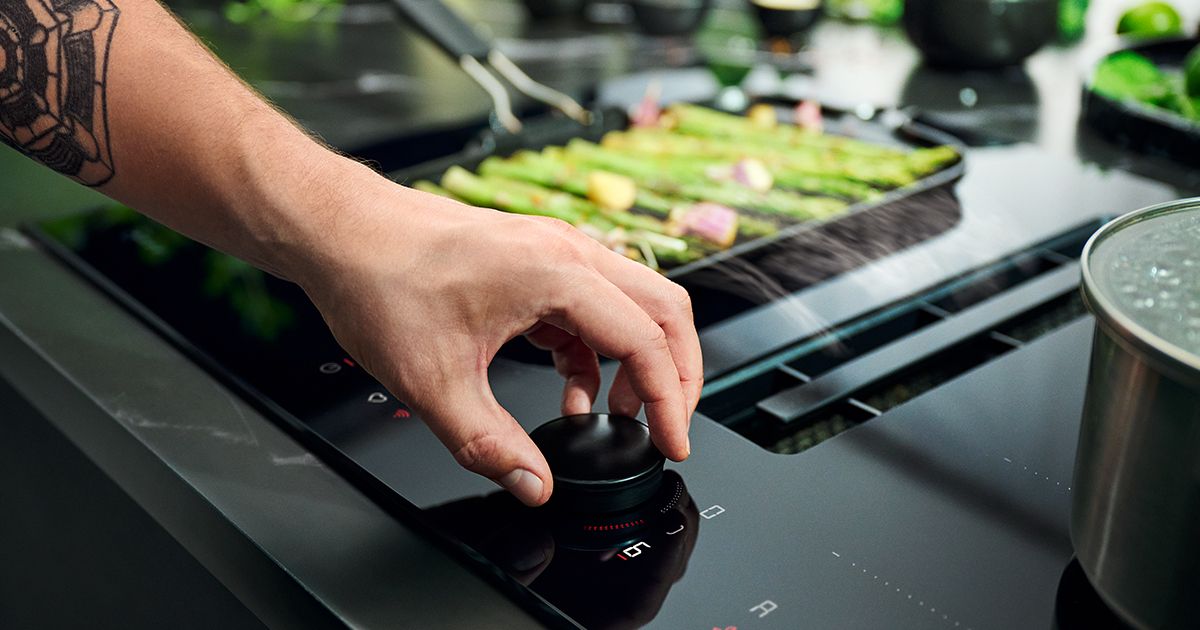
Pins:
x: 614, y: 526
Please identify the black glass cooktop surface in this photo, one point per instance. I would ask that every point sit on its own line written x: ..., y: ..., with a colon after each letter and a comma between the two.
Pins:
x: 888, y: 447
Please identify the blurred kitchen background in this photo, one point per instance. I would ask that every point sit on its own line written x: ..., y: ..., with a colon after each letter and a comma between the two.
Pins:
x: 355, y: 74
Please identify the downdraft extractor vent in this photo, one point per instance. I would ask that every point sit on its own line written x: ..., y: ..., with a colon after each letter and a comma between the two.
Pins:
x: 806, y: 394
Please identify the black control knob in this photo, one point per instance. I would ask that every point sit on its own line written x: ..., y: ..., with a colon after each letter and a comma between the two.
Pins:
x: 601, y: 462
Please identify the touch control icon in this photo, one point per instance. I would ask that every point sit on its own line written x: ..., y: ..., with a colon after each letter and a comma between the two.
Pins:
x: 377, y: 398
x: 765, y: 608
x: 330, y: 368
x: 712, y: 512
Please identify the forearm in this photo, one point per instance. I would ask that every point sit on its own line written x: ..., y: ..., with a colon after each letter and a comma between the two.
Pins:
x: 169, y: 130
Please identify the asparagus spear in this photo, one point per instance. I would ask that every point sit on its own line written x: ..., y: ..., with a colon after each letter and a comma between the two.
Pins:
x: 478, y: 191
x: 932, y: 159
x: 823, y: 185
x: 555, y: 173
x: 524, y: 198
x: 552, y: 173
x: 701, y: 121
x: 661, y: 177
x: 425, y: 185
x: 531, y: 167
x: 626, y: 220
x: 695, y: 120
x: 783, y: 161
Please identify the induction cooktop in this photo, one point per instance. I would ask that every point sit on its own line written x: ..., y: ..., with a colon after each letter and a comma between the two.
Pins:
x: 887, y: 447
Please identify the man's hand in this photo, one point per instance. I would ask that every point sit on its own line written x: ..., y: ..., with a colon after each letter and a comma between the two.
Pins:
x: 423, y: 291
x: 396, y: 273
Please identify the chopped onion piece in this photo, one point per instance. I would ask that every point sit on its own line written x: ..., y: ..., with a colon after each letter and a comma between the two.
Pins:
x: 748, y: 172
x: 648, y: 112
x: 808, y: 116
x: 753, y: 174
x: 712, y: 222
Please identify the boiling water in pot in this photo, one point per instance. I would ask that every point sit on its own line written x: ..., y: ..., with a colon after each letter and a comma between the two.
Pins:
x: 1150, y: 271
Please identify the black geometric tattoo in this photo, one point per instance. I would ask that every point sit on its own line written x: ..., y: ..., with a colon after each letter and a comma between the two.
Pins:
x: 53, y: 64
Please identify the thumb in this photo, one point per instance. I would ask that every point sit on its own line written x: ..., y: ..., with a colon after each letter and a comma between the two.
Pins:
x: 486, y: 440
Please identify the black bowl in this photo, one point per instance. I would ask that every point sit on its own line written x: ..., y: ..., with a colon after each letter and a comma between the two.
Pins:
x: 669, y: 17
x: 553, y: 8
x: 1144, y: 127
x: 979, y: 33
x: 778, y: 22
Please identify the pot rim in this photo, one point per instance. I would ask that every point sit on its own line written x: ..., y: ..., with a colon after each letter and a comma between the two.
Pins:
x: 1183, y: 364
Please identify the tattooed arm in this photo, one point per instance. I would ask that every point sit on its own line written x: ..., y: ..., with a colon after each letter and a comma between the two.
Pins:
x: 421, y: 290
x: 118, y: 95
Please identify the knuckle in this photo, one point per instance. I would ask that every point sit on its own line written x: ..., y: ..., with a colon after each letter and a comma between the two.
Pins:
x: 680, y: 299
x: 657, y: 340
x: 557, y: 228
x: 562, y: 244
x: 479, y: 452
x: 652, y: 345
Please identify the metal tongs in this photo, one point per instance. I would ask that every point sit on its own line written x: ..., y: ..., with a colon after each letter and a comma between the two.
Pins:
x: 475, y: 54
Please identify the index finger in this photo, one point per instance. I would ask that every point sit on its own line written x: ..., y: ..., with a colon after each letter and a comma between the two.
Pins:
x: 670, y: 306
x: 611, y: 323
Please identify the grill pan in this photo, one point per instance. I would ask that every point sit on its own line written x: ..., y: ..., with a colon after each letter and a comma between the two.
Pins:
x: 894, y: 210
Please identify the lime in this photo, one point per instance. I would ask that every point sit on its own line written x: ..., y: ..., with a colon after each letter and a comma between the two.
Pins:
x: 1129, y: 75
x: 1191, y: 73
x: 1152, y: 19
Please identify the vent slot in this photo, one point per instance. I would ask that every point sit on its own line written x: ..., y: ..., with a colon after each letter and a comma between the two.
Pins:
x: 835, y: 350
x: 769, y: 423
x: 737, y: 404
x: 829, y: 423
x: 812, y: 392
x: 996, y: 281
x: 933, y: 372
x: 1051, y: 316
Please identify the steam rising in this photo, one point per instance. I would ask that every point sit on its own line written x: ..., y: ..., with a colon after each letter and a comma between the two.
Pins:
x: 778, y: 271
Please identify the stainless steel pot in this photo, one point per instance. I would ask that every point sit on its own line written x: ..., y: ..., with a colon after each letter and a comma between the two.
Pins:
x: 1135, y: 515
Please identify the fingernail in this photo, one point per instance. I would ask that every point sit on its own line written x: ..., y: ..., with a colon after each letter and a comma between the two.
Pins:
x: 524, y: 485
x: 687, y: 446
